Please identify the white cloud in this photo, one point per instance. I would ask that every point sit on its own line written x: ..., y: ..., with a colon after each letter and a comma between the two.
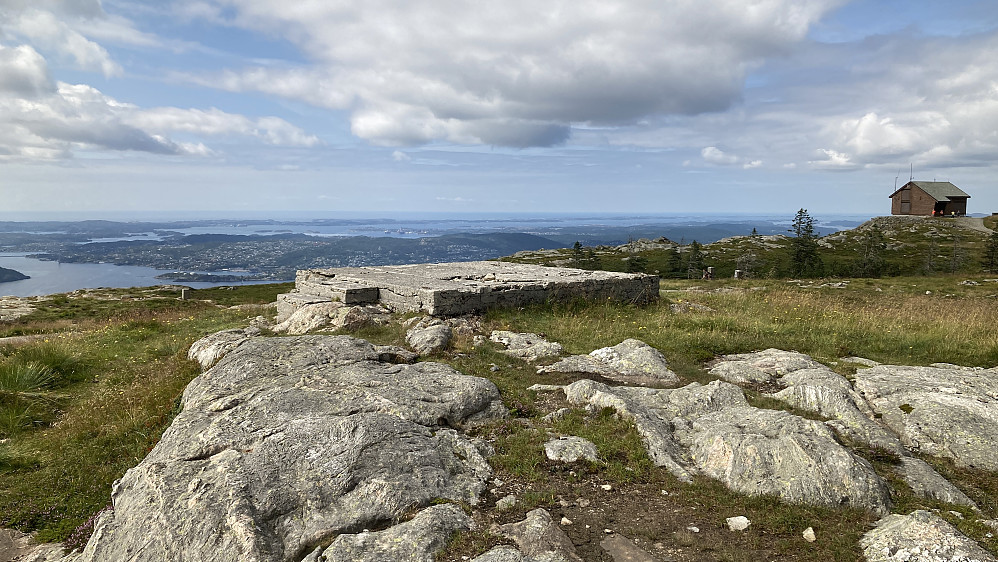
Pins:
x: 714, y: 155
x: 51, y: 34
x: 213, y: 122
x: 23, y: 72
x: 516, y: 73
x: 400, y: 156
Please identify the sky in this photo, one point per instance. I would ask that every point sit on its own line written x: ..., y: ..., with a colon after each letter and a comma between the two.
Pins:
x: 651, y: 106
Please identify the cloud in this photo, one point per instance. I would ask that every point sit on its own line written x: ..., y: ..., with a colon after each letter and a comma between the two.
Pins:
x: 214, y: 122
x: 400, y: 156
x: 23, y: 72
x: 716, y: 156
x: 513, y: 73
x: 51, y: 34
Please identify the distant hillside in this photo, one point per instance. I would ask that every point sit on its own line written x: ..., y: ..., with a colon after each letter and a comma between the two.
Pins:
x: 11, y: 275
x: 882, y: 246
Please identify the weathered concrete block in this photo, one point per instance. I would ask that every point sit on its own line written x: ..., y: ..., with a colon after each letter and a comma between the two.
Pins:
x: 289, y: 303
x: 452, y: 289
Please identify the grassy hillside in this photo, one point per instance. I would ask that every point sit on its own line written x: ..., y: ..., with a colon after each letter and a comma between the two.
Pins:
x: 883, y: 246
x: 113, y: 364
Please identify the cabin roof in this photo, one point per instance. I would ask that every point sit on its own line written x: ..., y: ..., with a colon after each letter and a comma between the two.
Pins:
x: 938, y: 190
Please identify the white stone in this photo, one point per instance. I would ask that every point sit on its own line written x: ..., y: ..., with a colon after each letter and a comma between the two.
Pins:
x: 739, y: 523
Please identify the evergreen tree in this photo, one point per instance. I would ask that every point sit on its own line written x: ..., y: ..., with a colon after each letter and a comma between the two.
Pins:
x: 576, y: 255
x: 673, y: 262
x: 636, y: 264
x: 591, y: 261
x: 871, y: 262
x: 694, y: 260
x: 804, y: 258
x: 991, y: 253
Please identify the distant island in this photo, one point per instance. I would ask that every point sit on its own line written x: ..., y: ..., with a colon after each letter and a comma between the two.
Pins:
x: 11, y: 275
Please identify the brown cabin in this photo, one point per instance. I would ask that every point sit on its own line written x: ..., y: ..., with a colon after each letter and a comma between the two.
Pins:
x: 929, y: 198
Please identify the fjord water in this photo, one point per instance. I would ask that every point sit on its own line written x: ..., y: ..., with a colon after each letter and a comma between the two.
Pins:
x: 48, y: 277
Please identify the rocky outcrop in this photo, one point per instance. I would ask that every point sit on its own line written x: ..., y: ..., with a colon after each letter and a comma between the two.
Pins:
x: 526, y: 346
x: 946, y: 412
x: 710, y: 429
x: 287, y: 443
x: 761, y: 366
x: 920, y: 536
x: 416, y: 540
x: 330, y: 315
x: 810, y: 386
x: 210, y: 349
x: 631, y: 361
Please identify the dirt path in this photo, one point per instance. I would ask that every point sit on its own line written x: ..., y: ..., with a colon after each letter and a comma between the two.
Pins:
x: 975, y: 223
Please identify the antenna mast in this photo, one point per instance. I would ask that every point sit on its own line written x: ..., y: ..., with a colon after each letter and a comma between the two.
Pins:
x: 911, y: 171
x: 896, y: 179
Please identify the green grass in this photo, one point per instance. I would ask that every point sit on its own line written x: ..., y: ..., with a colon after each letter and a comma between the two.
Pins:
x: 99, y: 390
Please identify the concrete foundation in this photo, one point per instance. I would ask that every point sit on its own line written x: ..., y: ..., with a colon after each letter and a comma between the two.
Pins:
x: 451, y: 289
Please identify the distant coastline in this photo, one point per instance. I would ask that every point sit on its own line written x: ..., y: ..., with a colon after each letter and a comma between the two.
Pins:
x: 7, y: 275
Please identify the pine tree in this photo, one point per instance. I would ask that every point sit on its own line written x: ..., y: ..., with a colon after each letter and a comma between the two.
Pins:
x: 694, y: 260
x: 871, y: 262
x: 577, y: 255
x: 804, y: 258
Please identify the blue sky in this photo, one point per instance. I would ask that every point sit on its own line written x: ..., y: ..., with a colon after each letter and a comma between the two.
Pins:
x: 447, y: 105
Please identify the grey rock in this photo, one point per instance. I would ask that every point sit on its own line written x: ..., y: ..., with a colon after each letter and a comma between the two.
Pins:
x: 825, y: 392
x: 738, y: 523
x: 526, y: 346
x: 920, y: 536
x: 631, y: 361
x: 538, y: 535
x: 210, y: 349
x: 622, y: 549
x: 761, y: 366
x: 927, y: 483
x: 429, y: 335
x: 17, y: 546
x: 772, y: 452
x: 556, y: 415
x: 287, y: 443
x: 711, y: 429
x: 570, y: 449
x: 416, y: 540
x: 331, y: 315
x: 506, y: 503
x: 501, y: 554
x: 937, y: 411
x: 860, y: 361
x: 653, y: 411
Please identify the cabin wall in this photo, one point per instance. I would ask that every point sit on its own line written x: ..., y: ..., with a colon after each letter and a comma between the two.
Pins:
x: 921, y: 202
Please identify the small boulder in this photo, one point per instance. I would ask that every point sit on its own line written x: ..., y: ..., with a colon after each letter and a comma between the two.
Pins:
x: 429, y: 335
x: 622, y: 549
x: 739, y: 523
x: 538, y: 536
x: 527, y: 346
x: 570, y: 449
x: 631, y: 361
x: 761, y: 366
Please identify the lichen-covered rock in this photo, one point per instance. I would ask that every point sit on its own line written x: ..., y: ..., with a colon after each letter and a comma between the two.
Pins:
x: 761, y: 366
x: 416, y: 540
x: 429, y: 335
x: 289, y: 442
x: 539, y: 538
x: 947, y: 412
x: 570, y: 449
x: 526, y: 346
x: 920, y: 536
x: 631, y: 361
x: 771, y: 452
x: 927, y: 483
x: 711, y: 429
x: 210, y: 349
x: 331, y: 315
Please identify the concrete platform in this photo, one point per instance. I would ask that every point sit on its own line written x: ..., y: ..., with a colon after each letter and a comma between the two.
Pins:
x: 451, y: 289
